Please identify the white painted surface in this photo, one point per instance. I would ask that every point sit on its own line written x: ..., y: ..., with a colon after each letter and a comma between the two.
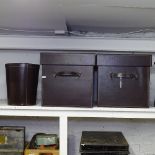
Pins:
x: 75, y: 43
x: 63, y: 121
x: 38, y: 14
x: 109, y: 14
x: 39, y: 111
x: 31, y: 14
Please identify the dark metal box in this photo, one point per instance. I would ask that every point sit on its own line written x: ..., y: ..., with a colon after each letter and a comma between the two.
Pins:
x: 67, y: 79
x: 12, y: 140
x: 103, y: 143
x: 123, y: 80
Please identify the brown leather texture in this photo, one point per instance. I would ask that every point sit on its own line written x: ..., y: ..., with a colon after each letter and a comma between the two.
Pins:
x: 67, y: 86
x: 130, y: 91
x: 122, y: 80
x: 124, y: 60
x: 22, y: 81
x: 67, y: 59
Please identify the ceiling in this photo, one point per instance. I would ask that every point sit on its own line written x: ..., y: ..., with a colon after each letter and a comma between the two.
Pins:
x: 48, y: 15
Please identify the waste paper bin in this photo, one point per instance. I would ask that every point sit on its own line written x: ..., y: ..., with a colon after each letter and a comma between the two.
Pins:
x: 22, y: 81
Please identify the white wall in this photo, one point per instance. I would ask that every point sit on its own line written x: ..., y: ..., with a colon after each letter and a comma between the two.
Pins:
x: 40, y: 14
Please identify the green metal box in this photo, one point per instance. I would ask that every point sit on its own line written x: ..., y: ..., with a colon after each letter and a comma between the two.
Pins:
x: 12, y: 140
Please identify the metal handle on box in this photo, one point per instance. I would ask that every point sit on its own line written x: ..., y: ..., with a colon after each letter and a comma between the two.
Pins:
x: 124, y: 75
x: 67, y: 74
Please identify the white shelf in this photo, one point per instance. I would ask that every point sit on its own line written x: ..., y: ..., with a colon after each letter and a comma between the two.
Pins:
x: 39, y: 111
x: 65, y: 112
x: 76, y: 43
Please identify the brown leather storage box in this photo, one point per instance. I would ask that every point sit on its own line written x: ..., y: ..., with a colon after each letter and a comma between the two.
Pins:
x: 67, y: 79
x: 123, y: 80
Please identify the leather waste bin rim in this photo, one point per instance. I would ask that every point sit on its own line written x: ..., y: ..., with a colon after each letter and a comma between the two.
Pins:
x: 21, y: 65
